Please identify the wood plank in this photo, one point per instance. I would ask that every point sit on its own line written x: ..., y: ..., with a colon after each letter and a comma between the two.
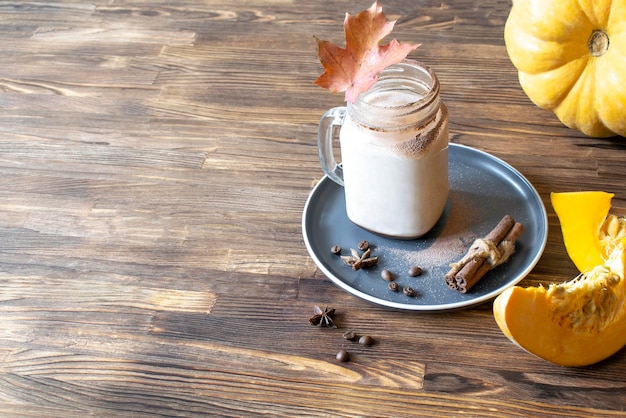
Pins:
x: 155, y: 159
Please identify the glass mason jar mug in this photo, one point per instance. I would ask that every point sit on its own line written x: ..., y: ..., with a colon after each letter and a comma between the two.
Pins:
x: 394, y: 152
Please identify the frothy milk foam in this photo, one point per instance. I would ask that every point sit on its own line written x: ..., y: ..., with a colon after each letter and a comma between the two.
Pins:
x: 374, y: 160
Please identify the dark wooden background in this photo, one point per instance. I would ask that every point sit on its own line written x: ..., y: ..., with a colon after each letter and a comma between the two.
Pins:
x: 155, y: 158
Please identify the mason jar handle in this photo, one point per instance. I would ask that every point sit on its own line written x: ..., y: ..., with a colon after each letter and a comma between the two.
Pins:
x: 331, y: 119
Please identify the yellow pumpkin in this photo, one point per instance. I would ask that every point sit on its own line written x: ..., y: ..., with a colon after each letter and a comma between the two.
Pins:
x: 571, y: 58
x: 582, y: 321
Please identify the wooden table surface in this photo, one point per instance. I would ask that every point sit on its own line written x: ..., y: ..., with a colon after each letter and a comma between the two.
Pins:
x: 155, y: 159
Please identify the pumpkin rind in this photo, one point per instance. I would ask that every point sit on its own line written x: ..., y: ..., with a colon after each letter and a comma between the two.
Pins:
x: 550, y: 44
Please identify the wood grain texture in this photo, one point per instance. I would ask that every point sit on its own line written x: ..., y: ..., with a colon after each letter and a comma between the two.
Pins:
x: 155, y: 158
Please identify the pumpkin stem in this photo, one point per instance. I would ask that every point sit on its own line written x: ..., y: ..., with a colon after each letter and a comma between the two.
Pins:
x: 598, y: 43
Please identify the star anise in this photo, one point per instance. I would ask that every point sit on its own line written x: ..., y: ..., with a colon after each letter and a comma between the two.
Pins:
x: 357, y: 261
x: 323, y: 318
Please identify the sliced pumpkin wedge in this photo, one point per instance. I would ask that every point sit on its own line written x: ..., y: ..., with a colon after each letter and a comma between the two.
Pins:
x: 582, y: 216
x: 582, y: 321
x: 576, y: 323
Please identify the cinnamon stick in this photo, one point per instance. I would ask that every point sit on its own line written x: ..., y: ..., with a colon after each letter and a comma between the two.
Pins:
x: 495, y: 235
x: 470, y: 272
x: 466, y: 282
x: 498, y: 233
x: 450, y: 281
x: 473, y: 271
x: 494, y: 249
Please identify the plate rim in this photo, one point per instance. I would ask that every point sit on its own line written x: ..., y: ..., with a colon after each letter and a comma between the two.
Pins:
x: 447, y: 306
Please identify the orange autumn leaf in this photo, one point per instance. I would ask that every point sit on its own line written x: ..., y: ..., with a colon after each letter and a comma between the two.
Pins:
x: 355, y: 68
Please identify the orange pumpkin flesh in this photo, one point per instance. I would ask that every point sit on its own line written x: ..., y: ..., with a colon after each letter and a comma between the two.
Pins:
x: 583, y: 321
x: 557, y: 324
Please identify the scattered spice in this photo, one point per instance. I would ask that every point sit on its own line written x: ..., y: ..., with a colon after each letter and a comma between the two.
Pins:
x: 439, y: 250
x: 357, y: 261
x: 323, y: 318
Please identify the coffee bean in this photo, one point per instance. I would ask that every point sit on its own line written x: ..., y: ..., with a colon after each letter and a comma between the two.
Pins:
x: 387, y: 275
x: 343, y: 356
x: 393, y: 286
x: 364, y: 245
x: 409, y: 291
x: 335, y: 249
x: 350, y: 335
x: 415, y: 271
x: 366, y: 340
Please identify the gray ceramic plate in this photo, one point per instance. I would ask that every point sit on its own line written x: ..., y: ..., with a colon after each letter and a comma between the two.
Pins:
x: 483, y: 189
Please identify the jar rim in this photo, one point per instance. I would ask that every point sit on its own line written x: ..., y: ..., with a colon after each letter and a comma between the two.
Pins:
x: 405, y: 94
x: 407, y: 70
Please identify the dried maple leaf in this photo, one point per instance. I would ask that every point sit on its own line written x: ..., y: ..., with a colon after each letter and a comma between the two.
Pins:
x: 358, y: 66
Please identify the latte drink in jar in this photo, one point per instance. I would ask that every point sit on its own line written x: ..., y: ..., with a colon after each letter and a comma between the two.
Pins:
x: 394, y: 151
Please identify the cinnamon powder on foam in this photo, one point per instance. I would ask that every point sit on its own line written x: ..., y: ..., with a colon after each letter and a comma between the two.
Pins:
x: 421, y: 144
